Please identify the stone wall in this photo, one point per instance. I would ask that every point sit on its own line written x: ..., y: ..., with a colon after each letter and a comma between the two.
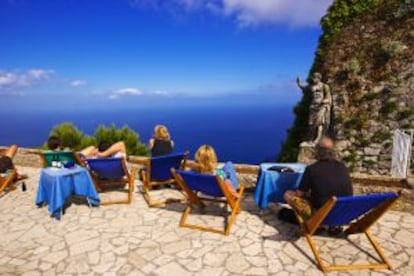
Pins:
x: 370, y: 69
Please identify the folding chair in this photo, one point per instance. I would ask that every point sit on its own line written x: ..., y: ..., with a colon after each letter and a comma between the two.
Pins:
x: 358, y: 214
x: 206, y: 187
x: 109, y: 172
x: 64, y: 156
x: 158, y: 172
x: 7, y: 180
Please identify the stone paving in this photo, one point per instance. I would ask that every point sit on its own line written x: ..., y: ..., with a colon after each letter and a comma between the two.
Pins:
x: 137, y: 240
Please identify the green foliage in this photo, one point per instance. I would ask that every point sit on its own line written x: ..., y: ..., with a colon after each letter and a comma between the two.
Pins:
x: 352, y: 66
x: 388, y: 108
x: 112, y: 135
x: 297, y: 133
x: 405, y: 114
x: 88, y: 141
x: 340, y: 13
x: 369, y: 163
x: 352, y: 160
x: 381, y: 136
x: 388, y: 49
x: 357, y: 122
x: 369, y: 97
x: 363, y: 141
x: 70, y: 136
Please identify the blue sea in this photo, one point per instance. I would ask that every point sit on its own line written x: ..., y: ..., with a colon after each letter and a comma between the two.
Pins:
x: 242, y: 134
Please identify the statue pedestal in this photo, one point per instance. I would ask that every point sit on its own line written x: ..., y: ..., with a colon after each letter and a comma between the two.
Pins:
x: 306, y: 154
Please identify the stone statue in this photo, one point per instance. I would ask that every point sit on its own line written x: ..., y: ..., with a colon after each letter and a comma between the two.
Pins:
x: 319, y: 109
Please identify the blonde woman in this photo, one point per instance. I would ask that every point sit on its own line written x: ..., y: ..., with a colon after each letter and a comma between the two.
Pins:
x: 206, y: 160
x: 161, y: 142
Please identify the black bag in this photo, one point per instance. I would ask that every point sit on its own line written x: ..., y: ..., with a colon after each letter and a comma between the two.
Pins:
x: 287, y: 215
x: 5, y: 164
x: 281, y: 169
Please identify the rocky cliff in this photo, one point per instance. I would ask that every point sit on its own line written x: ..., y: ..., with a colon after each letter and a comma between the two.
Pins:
x: 366, y: 55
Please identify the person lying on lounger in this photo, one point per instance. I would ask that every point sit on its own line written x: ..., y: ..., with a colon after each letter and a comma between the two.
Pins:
x: 6, y: 161
x: 104, y: 150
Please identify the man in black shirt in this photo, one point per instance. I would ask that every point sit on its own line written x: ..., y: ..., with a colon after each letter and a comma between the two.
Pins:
x: 323, y: 179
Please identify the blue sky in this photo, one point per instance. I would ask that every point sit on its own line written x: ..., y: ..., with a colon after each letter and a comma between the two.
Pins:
x: 127, y: 53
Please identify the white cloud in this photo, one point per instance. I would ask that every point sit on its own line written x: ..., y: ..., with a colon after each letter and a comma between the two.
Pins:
x: 7, y: 79
x: 125, y: 91
x: 77, y: 83
x: 160, y: 92
x: 128, y: 91
x: 39, y: 74
x: 296, y: 13
x: 12, y: 81
x: 250, y: 13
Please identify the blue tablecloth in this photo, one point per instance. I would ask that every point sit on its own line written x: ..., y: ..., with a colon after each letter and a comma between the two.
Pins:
x: 271, y: 185
x: 56, y: 185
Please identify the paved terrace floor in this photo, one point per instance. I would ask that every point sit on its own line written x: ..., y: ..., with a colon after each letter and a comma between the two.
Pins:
x: 137, y: 240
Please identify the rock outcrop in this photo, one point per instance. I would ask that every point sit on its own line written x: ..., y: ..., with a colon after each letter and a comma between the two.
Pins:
x: 369, y: 66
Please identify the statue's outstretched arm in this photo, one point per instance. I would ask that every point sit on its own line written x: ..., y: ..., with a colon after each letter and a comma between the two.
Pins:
x: 301, y: 86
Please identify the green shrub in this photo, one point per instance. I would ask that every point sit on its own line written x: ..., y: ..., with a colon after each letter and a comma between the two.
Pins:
x: 111, y: 135
x: 72, y: 137
x: 88, y: 141
x: 69, y: 135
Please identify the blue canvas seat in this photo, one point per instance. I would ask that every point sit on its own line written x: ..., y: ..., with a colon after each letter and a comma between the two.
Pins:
x: 158, y: 172
x: 357, y: 214
x: 207, y: 187
x: 110, y: 172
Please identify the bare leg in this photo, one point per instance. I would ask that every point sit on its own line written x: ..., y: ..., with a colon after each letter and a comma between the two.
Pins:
x: 288, y: 195
x: 11, y: 151
x: 115, y: 148
x: 319, y: 135
x: 89, y: 152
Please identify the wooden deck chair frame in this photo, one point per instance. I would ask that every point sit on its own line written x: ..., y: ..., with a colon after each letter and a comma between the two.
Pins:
x: 148, y: 183
x: 193, y: 199
x: 360, y: 225
x: 100, y: 183
x: 7, y: 181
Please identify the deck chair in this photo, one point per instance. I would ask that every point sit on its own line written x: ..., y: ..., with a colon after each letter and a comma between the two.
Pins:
x: 206, y: 187
x: 357, y: 214
x: 110, y: 172
x: 11, y: 178
x: 158, y: 172
x: 7, y: 181
x: 63, y: 156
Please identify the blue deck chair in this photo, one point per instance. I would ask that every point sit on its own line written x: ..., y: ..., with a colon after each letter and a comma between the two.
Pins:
x: 63, y: 157
x: 357, y: 214
x: 158, y: 172
x: 112, y: 172
x: 206, y: 187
